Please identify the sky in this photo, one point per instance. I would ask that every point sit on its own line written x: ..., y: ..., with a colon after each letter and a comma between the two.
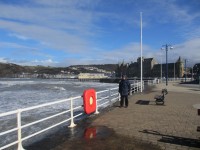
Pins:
x: 61, y: 33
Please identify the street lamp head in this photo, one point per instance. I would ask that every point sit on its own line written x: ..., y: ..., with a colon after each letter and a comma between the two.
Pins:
x: 171, y: 47
x: 162, y: 48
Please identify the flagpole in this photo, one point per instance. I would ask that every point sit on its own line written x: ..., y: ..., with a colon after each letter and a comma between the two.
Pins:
x: 141, y: 60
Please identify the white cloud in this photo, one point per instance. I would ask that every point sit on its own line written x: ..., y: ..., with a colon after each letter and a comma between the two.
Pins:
x: 3, y: 60
x: 47, y: 62
x: 55, y: 38
x: 189, y: 50
x: 19, y: 36
x: 63, y: 25
x: 128, y: 53
x: 43, y: 61
x: 14, y: 45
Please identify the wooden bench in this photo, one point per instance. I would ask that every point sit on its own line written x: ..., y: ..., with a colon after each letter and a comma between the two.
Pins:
x: 160, y: 98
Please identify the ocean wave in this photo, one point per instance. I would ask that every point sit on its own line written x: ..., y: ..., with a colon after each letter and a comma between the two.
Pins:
x: 59, y: 88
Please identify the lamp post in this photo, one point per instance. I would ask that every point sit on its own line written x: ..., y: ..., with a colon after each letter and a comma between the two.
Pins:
x: 192, y: 75
x: 141, y: 61
x: 196, y: 71
x: 165, y: 47
x: 174, y: 71
x: 161, y: 70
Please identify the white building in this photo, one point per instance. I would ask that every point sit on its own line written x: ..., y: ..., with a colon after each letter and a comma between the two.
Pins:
x: 91, y: 76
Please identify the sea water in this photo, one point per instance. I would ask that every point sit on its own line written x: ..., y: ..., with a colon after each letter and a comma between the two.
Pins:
x: 22, y: 93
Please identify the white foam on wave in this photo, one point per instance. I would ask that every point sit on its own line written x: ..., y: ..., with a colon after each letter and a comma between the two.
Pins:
x: 13, y: 83
x: 50, y: 90
x: 59, y: 88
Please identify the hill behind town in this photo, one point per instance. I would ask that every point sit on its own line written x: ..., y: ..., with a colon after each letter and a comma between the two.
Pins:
x: 9, y: 69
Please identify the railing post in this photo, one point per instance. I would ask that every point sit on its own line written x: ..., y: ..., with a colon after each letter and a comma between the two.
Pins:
x: 19, y: 130
x: 130, y: 91
x: 143, y: 85
x: 136, y: 88
x: 96, y: 112
x: 110, y: 96
x: 139, y: 86
x: 72, y: 115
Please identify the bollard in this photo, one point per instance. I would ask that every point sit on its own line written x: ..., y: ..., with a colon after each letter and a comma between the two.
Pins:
x: 130, y: 92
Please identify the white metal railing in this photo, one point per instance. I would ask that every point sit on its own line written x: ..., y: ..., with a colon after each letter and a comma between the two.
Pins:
x: 104, y: 98
x: 158, y: 80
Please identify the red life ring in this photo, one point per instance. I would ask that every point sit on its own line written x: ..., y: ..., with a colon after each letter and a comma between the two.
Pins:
x: 89, y: 101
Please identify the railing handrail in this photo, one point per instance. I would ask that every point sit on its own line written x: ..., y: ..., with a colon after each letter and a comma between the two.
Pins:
x: 134, y: 87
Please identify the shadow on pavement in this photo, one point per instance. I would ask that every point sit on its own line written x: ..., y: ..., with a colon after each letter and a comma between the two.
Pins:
x: 143, y: 102
x: 194, y: 89
x: 148, y: 102
x: 175, y: 139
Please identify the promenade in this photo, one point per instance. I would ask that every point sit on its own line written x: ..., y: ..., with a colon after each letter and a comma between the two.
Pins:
x: 172, y: 126
x: 145, y: 125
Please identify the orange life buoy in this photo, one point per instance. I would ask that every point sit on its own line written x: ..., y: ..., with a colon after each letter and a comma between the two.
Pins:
x: 89, y: 101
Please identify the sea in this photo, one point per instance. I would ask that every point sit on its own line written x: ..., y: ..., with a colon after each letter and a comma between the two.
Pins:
x: 20, y: 93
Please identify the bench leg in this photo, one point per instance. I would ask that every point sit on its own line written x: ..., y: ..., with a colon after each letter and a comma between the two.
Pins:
x: 159, y: 102
x: 198, y: 112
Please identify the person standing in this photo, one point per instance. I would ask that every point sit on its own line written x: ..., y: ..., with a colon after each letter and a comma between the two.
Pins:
x: 124, y: 88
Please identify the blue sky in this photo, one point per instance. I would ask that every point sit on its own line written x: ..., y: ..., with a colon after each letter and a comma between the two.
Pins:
x: 70, y: 32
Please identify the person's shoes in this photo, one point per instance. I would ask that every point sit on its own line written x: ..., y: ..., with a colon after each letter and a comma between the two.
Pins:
x: 120, y: 106
x: 126, y: 106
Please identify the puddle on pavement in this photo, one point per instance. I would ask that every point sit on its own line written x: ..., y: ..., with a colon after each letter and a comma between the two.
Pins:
x: 103, y: 138
x: 90, y: 138
x: 95, y: 132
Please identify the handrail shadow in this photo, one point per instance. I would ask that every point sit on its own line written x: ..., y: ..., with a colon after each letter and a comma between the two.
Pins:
x: 175, y: 139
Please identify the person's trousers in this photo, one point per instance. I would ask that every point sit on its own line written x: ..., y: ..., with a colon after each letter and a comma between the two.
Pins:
x: 124, y: 97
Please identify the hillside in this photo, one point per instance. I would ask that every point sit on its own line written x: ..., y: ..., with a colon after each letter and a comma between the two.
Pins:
x: 9, y: 69
x: 6, y: 70
x: 95, y: 68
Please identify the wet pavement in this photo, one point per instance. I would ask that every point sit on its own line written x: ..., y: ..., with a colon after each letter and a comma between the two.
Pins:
x: 142, y: 126
x: 86, y: 136
x: 92, y: 138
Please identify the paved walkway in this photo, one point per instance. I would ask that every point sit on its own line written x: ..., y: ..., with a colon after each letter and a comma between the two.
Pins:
x: 172, y: 126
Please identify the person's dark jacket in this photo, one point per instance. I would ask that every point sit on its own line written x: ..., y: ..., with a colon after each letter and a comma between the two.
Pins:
x: 124, y: 87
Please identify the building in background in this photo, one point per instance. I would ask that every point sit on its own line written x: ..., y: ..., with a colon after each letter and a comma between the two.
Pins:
x: 150, y: 68
x: 91, y: 76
